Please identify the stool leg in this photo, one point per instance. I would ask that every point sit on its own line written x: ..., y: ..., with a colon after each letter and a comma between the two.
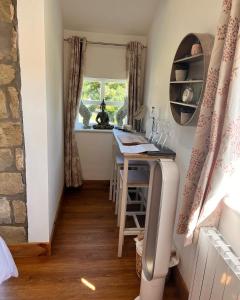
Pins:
x: 119, y: 205
x: 117, y: 192
x: 121, y: 221
x: 123, y: 208
x: 113, y: 168
x: 141, y: 199
x: 111, y: 183
x: 115, y: 182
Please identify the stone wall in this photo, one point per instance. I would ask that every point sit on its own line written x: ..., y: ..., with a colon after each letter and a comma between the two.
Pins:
x: 13, y: 214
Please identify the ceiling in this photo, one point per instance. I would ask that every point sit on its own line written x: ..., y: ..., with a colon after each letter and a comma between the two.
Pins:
x: 131, y: 17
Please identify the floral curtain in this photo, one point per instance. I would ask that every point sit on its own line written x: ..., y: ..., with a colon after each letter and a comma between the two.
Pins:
x: 72, y: 161
x: 215, y: 161
x: 135, y: 78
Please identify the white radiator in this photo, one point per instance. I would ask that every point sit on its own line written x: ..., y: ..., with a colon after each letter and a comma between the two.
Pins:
x: 217, y: 269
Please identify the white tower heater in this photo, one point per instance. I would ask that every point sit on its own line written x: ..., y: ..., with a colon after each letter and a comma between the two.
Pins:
x: 160, y: 218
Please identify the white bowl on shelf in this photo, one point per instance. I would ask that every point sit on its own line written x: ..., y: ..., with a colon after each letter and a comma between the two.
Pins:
x: 180, y: 75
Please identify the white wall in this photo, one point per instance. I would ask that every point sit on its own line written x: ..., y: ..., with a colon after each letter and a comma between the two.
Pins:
x: 95, y: 150
x: 173, y: 20
x: 54, y: 93
x: 104, y: 62
x: 42, y: 112
x: 33, y: 76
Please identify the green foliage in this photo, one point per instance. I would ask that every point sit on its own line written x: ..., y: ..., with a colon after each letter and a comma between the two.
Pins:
x: 111, y: 110
x: 115, y: 91
x: 91, y: 90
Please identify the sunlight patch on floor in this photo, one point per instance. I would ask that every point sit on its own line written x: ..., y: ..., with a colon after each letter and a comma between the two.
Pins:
x: 88, y: 284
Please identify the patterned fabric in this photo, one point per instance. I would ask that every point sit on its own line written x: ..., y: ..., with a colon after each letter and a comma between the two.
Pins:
x: 135, y: 73
x: 72, y: 161
x: 215, y: 160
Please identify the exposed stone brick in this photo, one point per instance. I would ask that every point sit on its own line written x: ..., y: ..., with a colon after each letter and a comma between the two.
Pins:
x: 6, y: 11
x: 13, y: 234
x: 7, y: 74
x: 6, y: 159
x: 5, y: 211
x: 3, y: 106
x: 14, y: 102
x: 13, y: 212
x: 5, y: 44
x: 19, y: 159
x: 14, y: 50
x: 11, y: 184
x: 19, y: 211
x: 10, y: 134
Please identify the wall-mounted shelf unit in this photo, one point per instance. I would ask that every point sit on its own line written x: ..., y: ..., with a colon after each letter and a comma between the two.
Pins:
x: 197, y: 67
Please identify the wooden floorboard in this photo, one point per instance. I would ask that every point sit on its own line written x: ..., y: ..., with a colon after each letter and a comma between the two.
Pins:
x: 84, y: 246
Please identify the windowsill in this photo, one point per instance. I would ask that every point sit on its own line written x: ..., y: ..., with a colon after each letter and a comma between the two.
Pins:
x: 79, y: 128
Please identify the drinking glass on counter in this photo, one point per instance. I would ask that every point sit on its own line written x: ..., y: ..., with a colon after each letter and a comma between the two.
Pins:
x: 165, y: 129
x: 153, y: 128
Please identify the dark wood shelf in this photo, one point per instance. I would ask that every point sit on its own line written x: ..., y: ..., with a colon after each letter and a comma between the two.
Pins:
x: 184, y: 104
x: 189, y: 59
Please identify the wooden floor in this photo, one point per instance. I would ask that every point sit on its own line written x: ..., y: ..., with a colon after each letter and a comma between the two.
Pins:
x: 84, y: 247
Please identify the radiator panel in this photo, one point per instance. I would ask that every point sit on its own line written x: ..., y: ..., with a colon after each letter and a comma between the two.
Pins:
x: 216, y: 269
x: 211, y: 263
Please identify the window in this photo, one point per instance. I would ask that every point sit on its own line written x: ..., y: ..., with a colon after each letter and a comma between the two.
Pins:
x: 96, y: 89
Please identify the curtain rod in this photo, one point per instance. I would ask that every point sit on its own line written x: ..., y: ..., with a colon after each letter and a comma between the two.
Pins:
x: 102, y: 43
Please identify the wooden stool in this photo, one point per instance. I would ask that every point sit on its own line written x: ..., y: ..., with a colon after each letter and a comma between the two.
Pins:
x: 139, y: 197
x: 114, y: 181
x: 115, y: 154
x: 136, y: 179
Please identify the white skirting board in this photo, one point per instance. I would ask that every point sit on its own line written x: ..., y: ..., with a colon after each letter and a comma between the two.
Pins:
x: 216, y: 270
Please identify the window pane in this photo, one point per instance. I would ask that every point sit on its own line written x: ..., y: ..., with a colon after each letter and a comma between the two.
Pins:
x: 91, y: 90
x: 115, y: 91
x: 112, y: 110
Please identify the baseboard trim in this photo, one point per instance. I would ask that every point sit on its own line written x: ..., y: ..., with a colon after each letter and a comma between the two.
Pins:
x: 30, y: 249
x: 37, y: 249
x: 95, y: 184
x: 180, y: 284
